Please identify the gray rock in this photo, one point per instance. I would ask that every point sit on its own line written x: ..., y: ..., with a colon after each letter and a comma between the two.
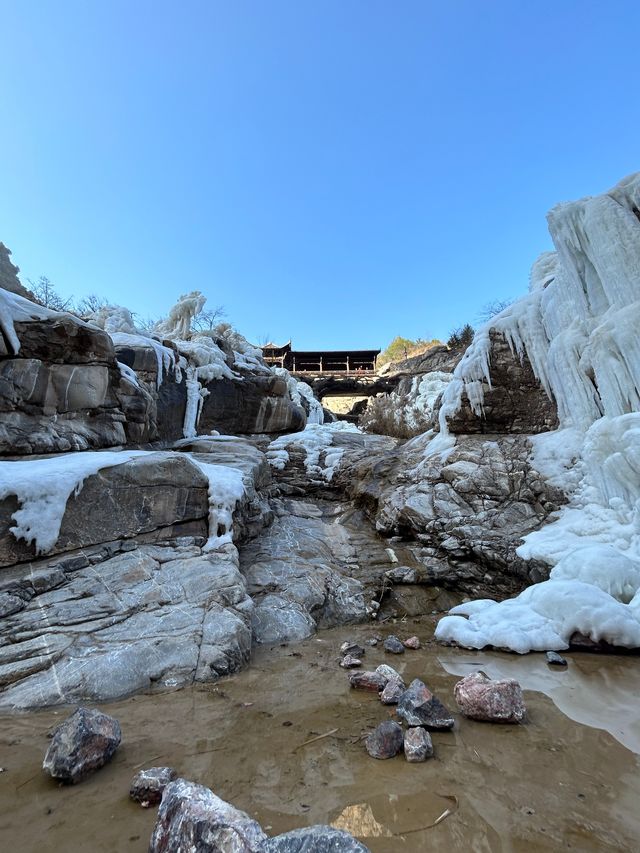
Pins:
x: 125, y: 624
x: 417, y: 745
x: 350, y: 662
x: 393, y: 645
x: 314, y: 839
x: 555, y: 659
x: 419, y: 707
x: 148, y: 785
x: 192, y: 818
x: 392, y: 692
x: 353, y: 649
x: 385, y: 740
x: 84, y: 742
x: 389, y: 673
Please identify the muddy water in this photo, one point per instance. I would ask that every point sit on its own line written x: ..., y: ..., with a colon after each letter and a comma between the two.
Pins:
x: 552, y: 784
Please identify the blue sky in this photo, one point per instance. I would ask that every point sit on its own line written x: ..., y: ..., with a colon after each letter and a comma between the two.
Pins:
x: 339, y: 171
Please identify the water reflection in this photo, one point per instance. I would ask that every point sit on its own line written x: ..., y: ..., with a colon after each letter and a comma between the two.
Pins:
x: 596, y: 690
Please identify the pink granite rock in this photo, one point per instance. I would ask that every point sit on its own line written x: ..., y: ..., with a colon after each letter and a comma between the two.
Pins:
x: 480, y: 698
x: 411, y: 643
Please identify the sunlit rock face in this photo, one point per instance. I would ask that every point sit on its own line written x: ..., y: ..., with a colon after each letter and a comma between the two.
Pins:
x: 61, y: 387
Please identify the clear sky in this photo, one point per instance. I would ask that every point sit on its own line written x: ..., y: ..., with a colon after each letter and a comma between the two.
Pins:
x: 339, y: 171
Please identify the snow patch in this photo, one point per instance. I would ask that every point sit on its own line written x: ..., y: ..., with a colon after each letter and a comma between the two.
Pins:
x: 16, y: 309
x: 43, y: 487
x: 302, y: 394
x: 321, y: 457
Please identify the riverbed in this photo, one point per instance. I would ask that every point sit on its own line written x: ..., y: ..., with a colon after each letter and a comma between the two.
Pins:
x: 283, y: 740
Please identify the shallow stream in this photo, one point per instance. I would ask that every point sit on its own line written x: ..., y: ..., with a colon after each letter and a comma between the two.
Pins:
x: 550, y: 784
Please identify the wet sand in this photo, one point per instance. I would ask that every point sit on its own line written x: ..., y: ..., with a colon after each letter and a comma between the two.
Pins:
x: 551, y: 784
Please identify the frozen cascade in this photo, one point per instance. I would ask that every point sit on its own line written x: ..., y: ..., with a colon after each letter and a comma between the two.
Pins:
x: 299, y: 391
x: 578, y: 325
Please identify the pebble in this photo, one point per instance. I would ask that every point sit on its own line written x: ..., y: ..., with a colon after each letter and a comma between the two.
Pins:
x: 555, y: 659
x: 411, y: 643
x: 393, y: 645
x: 352, y: 649
x: 147, y: 786
x: 350, y: 662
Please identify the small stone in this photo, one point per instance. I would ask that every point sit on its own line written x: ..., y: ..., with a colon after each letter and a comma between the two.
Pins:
x: 385, y: 740
x: 555, y: 659
x: 393, y: 645
x: 411, y: 643
x: 389, y: 673
x: 81, y: 744
x: 352, y: 649
x: 392, y: 692
x: 480, y: 698
x: 372, y: 642
x: 417, y: 745
x: 368, y: 681
x: 350, y: 662
x: 419, y: 707
x: 147, y: 786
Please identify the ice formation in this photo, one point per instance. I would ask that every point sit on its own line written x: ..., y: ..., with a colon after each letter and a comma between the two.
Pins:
x: 578, y: 326
x: 177, y: 326
x: 43, y: 486
x: 321, y: 457
x: 16, y: 309
x: 302, y: 393
x: 226, y: 488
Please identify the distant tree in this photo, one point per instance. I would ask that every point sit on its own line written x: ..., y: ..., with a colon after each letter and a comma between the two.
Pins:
x: 491, y: 309
x: 45, y: 294
x: 207, y: 320
x: 402, y: 348
x: 461, y: 337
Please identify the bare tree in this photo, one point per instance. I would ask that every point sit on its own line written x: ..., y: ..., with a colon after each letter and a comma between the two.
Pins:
x: 492, y: 309
x: 90, y: 304
x: 205, y: 321
x: 45, y: 294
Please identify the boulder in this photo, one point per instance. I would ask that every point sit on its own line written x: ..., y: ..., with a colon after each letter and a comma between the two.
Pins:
x: 191, y: 817
x: 147, y: 786
x: 84, y: 742
x: 147, y: 493
x: 255, y: 404
x: 314, y: 839
x: 481, y: 698
x: 107, y: 624
x: 385, y: 740
x: 419, y: 707
x: 417, y: 745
